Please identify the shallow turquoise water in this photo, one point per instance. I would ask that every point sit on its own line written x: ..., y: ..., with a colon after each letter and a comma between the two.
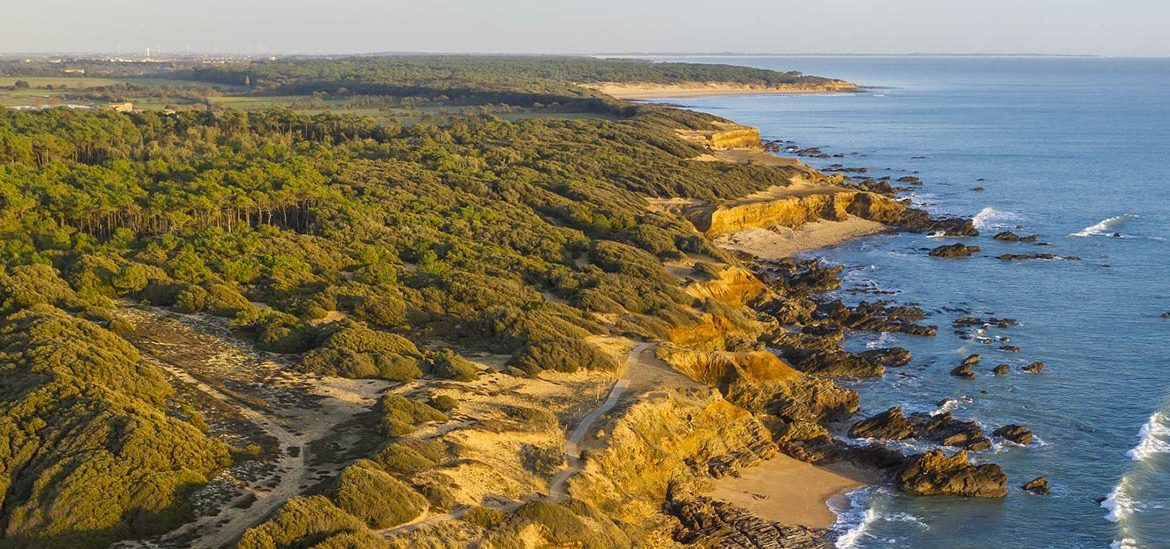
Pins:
x: 1073, y: 150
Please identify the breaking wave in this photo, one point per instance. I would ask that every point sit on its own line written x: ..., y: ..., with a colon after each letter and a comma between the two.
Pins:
x: 1154, y: 438
x: 1104, y: 226
x: 989, y: 218
x: 855, y: 519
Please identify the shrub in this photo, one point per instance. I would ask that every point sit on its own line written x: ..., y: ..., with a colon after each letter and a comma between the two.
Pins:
x: 402, y: 460
x: 298, y: 519
x: 443, y: 403
x: 400, y: 415
x: 485, y: 517
x: 541, y: 460
x: 448, y: 364
x: 191, y: 299
x: 562, y: 355
x: 377, y: 498
x: 355, y: 351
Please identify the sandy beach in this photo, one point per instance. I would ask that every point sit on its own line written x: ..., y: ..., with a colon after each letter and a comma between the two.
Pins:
x: 659, y: 91
x: 788, y: 491
x: 783, y: 242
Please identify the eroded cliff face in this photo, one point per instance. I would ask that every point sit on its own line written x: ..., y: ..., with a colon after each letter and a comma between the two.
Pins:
x: 762, y: 383
x: 664, y: 448
x: 793, y: 211
x: 735, y: 286
x: 725, y: 136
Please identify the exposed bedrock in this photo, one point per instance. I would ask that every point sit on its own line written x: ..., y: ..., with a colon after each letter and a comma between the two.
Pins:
x: 934, y: 473
x: 953, y: 251
x: 941, y: 428
x: 704, y: 522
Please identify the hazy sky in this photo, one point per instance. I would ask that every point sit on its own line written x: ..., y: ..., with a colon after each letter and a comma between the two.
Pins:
x: 1107, y: 27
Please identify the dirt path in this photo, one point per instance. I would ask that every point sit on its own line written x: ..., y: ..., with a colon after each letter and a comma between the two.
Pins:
x: 251, y: 398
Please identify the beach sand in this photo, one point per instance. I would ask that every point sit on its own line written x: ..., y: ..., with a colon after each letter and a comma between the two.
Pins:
x: 659, y: 91
x: 783, y: 242
x: 788, y: 491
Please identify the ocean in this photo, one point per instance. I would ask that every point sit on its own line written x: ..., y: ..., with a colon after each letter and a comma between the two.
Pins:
x: 1075, y: 150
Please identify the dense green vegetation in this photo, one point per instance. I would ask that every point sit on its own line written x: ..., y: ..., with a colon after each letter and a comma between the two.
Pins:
x: 89, y: 453
x: 513, y: 237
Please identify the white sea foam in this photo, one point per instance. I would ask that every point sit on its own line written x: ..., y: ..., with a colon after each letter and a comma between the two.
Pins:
x: 854, y: 521
x: 948, y: 405
x: 1155, y: 438
x: 882, y: 341
x: 1127, y: 543
x: 1104, y: 226
x: 989, y: 218
x: 1119, y: 503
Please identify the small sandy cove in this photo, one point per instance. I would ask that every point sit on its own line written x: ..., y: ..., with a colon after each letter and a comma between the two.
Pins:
x: 781, y: 242
x: 788, y: 491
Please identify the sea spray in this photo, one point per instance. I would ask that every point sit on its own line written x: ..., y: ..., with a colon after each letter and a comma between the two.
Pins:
x: 1154, y: 438
x: 991, y: 218
x: 1104, y: 226
x: 861, y: 513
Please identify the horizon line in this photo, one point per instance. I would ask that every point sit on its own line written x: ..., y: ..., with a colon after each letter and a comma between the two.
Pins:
x: 628, y: 54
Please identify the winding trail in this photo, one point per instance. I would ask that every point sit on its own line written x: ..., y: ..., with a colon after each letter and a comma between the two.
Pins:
x: 558, y: 488
x: 291, y: 464
x: 259, y: 392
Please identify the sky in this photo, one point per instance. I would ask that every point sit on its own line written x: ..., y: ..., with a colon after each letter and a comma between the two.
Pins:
x: 1096, y: 27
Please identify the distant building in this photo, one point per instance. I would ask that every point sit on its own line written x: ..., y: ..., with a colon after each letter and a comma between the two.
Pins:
x: 121, y: 107
x: 74, y: 71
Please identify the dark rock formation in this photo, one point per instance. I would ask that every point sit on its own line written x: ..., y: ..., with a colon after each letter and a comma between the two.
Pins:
x: 1008, y: 236
x: 919, y: 221
x: 909, y: 179
x: 892, y: 357
x: 704, y: 522
x: 942, y: 428
x: 1034, y: 368
x: 879, y: 316
x: 1038, y: 485
x: 964, y: 371
x: 889, y: 425
x: 1018, y: 434
x: 1000, y: 369
x: 955, y: 251
x: 1010, y: 349
x: 972, y: 360
x: 946, y: 430
x: 1020, y: 257
x: 934, y: 473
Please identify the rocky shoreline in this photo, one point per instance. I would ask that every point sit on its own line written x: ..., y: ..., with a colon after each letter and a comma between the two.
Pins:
x: 814, y: 327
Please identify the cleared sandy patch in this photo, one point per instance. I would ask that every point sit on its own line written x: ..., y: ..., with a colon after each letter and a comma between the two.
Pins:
x: 787, y: 490
x: 780, y: 242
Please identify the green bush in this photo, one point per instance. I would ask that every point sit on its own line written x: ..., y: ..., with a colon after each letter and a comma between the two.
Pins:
x: 303, y: 518
x: 401, y: 416
x: 377, y: 498
x: 355, y: 351
x: 562, y: 355
x: 449, y: 365
x: 485, y: 517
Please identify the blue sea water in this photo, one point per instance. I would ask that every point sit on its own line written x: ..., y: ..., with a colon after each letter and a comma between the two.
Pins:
x: 1074, y: 150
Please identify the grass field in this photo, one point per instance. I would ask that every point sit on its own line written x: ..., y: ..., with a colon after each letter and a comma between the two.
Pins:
x: 72, y: 90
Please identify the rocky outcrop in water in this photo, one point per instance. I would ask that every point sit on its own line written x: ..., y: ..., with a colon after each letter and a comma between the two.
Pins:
x: 888, y: 425
x: 1001, y: 369
x: 1018, y: 434
x: 1008, y: 236
x: 878, y: 316
x: 1035, y: 367
x: 1038, y: 485
x: 953, y: 251
x: 934, y: 473
x: 942, y: 428
x: 1050, y: 257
